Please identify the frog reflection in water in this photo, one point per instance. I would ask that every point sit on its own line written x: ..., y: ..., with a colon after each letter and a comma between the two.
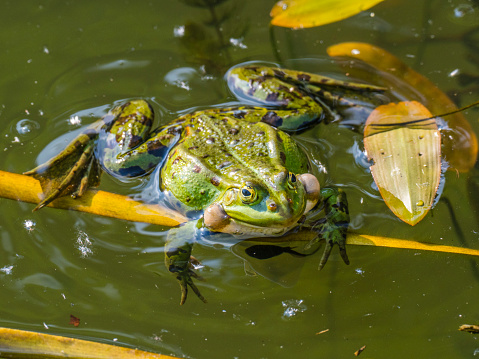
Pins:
x: 237, y: 165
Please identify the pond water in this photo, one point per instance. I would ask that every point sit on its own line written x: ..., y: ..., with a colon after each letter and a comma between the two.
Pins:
x: 66, y: 62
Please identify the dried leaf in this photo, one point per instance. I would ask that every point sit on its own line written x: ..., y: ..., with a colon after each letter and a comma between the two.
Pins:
x: 459, y: 142
x: 470, y: 328
x: 309, y: 13
x: 74, y: 320
x: 406, y: 151
x: 360, y: 350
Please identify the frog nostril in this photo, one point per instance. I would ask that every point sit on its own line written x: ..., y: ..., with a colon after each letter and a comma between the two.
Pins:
x: 272, y: 206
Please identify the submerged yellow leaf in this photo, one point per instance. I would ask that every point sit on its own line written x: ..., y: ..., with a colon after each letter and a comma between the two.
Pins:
x: 405, y: 146
x: 309, y: 13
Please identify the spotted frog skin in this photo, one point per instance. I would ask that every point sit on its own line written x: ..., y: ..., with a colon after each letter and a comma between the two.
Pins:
x: 237, y: 165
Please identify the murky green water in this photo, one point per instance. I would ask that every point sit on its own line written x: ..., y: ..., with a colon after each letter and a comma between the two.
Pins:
x: 61, y: 59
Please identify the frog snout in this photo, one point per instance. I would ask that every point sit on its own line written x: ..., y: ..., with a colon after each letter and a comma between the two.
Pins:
x: 215, y: 217
x: 312, y: 189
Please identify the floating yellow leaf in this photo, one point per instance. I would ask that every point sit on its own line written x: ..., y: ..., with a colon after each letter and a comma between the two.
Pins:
x: 309, y: 13
x: 459, y: 142
x: 405, y: 146
x: 23, y: 344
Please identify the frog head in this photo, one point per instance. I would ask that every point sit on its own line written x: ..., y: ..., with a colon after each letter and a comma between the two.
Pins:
x: 270, y: 207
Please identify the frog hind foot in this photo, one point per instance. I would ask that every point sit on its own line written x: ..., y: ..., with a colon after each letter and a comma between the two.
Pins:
x: 71, y: 172
x: 333, y: 228
x: 334, y: 236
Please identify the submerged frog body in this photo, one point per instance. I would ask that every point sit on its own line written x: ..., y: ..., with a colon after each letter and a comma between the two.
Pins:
x: 237, y: 165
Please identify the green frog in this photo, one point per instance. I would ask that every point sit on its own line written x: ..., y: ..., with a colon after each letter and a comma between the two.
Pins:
x: 238, y: 165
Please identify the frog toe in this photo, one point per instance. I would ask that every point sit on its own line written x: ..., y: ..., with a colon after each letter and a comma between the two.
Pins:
x: 342, y: 252
x: 326, y: 254
x: 69, y: 173
x: 185, y: 280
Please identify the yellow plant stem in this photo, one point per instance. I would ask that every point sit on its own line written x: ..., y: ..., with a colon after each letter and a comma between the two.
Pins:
x: 367, y: 240
x: 27, y: 189
x: 24, y: 344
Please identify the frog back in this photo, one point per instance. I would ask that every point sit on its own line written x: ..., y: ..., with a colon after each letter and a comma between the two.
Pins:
x: 218, y: 152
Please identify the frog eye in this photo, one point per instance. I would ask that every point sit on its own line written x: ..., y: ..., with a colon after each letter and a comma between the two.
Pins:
x: 248, y: 194
x: 292, y: 180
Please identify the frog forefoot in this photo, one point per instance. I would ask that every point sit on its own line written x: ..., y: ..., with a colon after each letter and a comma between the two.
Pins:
x: 185, y: 278
x: 71, y: 172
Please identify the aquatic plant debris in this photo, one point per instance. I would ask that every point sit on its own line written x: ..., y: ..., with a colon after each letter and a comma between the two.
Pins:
x: 470, y: 328
x: 404, y: 143
x: 360, y: 350
x: 298, y: 14
x: 21, y: 344
x: 74, y: 320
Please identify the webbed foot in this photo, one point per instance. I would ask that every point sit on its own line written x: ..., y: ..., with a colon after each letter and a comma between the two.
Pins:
x: 71, y: 172
x: 178, y: 259
x: 334, y: 236
x: 185, y: 278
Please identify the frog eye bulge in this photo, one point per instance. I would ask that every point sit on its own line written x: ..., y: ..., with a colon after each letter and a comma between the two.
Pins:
x: 248, y: 194
x: 292, y: 180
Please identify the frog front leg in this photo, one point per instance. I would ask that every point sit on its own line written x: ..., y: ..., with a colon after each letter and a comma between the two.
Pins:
x: 333, y: 227
x: 178, y: 258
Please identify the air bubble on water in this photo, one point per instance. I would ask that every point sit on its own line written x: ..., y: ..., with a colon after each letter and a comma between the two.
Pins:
x: 7, y: 270
x: 463, y: 10
x: 26, y: 128
x: 84, y: 244
x: 454, y: 72
x: 238, y: 43
x: 74, y: 121
x: 181, y: 77
x: 359, y: 271
x: 292, y: 307
x: 29, y: 225
x: 179, y: 31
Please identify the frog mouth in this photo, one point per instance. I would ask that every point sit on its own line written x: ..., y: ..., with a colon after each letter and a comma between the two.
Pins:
x: 217, y: 220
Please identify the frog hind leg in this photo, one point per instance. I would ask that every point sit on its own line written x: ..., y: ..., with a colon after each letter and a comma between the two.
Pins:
x: 333, y: 227
x: 178, y: 259
x: 294, y: 109
x: 302, y: 98
x: 70, y: 172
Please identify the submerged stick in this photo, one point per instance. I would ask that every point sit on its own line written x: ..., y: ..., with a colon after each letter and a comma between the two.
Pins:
x: 27, y: 189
